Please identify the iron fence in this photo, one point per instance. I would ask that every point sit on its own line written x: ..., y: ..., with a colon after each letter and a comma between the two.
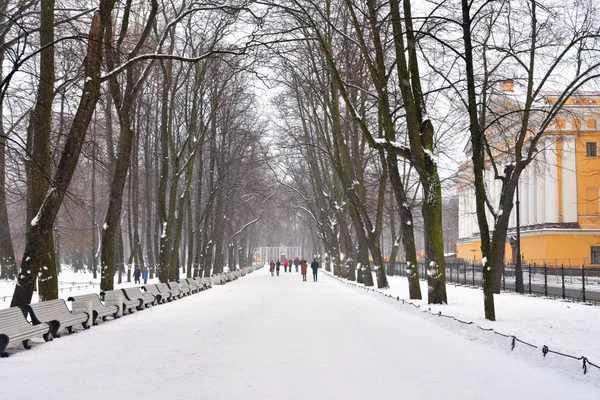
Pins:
x: 574, y: 284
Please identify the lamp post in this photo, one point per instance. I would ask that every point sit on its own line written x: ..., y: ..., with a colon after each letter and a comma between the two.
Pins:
x: 518, y: 270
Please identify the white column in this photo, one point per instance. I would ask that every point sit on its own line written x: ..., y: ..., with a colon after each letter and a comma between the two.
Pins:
x: 532, y: 195
x: 461, y: 212
x: 473, y: 215
x: 550, y: 181
x: 539, y: 188
x: 569, y: 180
x: 524, y: 197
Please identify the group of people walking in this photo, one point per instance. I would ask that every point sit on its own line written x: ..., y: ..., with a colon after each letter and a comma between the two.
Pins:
x: 287, y: 267
x: 137, y: 273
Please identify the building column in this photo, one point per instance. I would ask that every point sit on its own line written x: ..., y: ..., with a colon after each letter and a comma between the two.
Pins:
x: 532, y: 195
x: 550, y: 181
x: 524, y: 197
x: 539, y: 188
x: 569, y: 180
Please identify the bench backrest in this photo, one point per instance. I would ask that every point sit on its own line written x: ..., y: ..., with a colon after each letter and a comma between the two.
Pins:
x: 163, y: 287
x: 12, y: 320
x: 49, y: 311
x: 93, y: 297
x: 134, y: 293
x: 151, y: 288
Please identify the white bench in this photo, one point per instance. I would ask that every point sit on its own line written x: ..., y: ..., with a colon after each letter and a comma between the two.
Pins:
x: 176, y: 286
x: 57, y: 315
x: 117, y: 297
x: 153, y: 290
x: 14, y: 327
x: 172, y: 294
x: 146, y: 299
x: 99, y: 309
x: 193, y: 285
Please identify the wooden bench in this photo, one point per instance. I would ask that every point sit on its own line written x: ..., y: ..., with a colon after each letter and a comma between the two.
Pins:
x: 118, y: 297
x: 153, y: 290
x: 173, y: 294
x: 193, y: 285
x: 99, y: 310
x: 146, y: 299
x: 14, y: 327
x: 175, y: 286
x: 57, y: 315
x: 202, y: 285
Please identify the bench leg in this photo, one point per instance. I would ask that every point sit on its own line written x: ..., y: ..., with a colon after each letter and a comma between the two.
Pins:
x: 54, y: 327
x: 47, y: 336
x: 70, y: 329
x: 3, y: 345
x: 85, y: 325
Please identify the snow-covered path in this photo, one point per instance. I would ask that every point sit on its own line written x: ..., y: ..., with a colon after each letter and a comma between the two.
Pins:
x: 264, y: 337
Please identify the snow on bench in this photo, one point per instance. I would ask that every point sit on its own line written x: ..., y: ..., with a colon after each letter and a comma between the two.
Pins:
x: 99, y: 309
x: 56, y: 313
x: 14, y: 327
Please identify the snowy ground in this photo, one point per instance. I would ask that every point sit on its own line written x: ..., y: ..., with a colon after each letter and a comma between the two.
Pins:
x: 264, y: 337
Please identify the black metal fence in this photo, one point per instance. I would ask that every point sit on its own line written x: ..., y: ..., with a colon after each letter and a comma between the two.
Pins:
x: 573, y: 284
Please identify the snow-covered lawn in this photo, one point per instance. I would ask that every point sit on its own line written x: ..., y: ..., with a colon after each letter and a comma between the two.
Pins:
x: 264, y: 337
x: 572, y: 328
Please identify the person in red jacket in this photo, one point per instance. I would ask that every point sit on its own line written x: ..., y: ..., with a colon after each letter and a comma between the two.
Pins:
x: 285, y: 265
x: 304, y: 268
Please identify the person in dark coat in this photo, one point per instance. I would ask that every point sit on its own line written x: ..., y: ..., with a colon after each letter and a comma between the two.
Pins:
x: 315, y: 268
x: 304, y: 269
x: 272, y: 269
x: 136, y: 275
x: 277, y: 267
x: 296, y: 263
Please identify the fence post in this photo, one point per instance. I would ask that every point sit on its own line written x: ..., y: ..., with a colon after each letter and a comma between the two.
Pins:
x: 474, y: 272
x: 529, y: 266
x: 503, y: 279
x: 545, y: 280
x: 583, y: 281
x: 562, y: 269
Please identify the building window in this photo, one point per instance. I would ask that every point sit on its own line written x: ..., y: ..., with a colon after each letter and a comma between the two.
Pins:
x: 591, y: 149
x: 595, y: 254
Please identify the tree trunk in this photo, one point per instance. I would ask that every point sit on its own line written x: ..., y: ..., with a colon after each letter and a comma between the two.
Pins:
x: 40, y: 165
x: 37, y: 232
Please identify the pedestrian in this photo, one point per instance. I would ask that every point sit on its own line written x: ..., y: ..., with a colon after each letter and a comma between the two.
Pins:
x: 315, y: 268
x: 136, y: 275
x: 145, y: 275
x: 272, y: 269
x: 296, y: 263
x: 285, y: 264
x: 277, y: 267
x: 304, y: 268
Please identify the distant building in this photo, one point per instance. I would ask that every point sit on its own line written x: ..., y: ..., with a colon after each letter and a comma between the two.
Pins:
x: 559, y: 190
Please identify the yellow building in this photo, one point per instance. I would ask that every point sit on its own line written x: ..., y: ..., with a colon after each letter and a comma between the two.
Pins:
x: 559, y: 192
